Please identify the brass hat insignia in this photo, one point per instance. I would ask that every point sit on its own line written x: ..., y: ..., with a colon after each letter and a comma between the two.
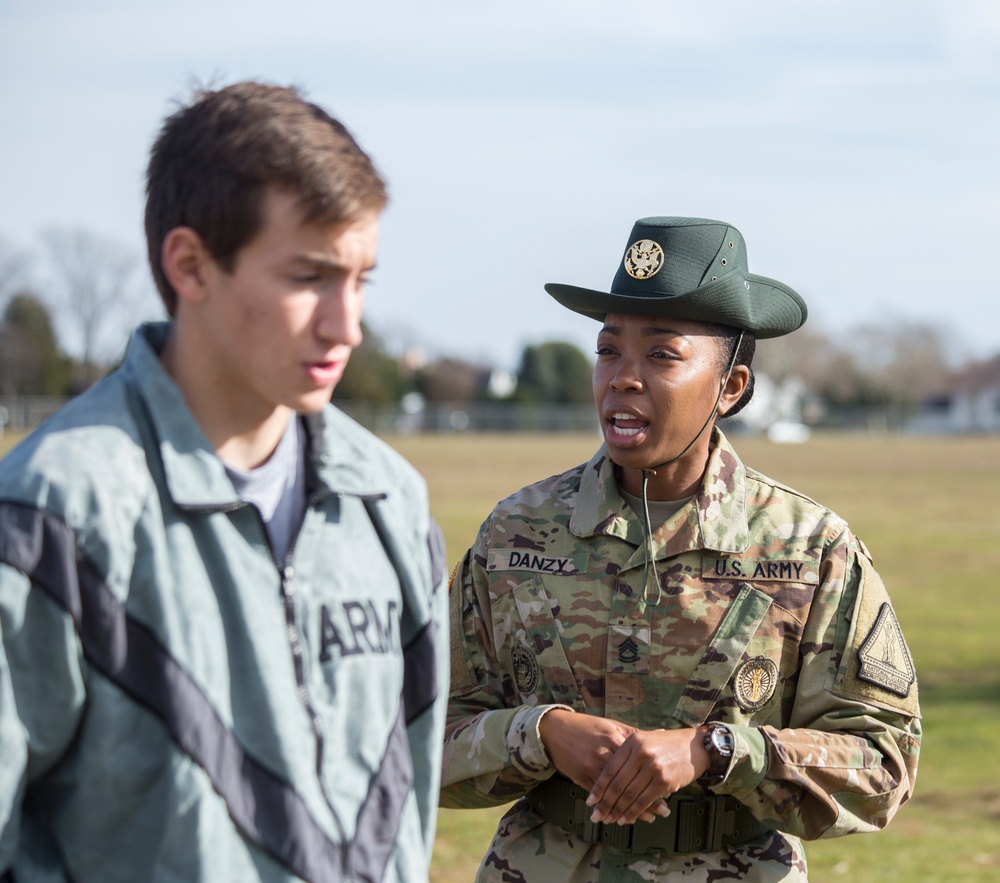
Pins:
x: 754, y: 683
x: 644, y: 259
x: 525, y: 669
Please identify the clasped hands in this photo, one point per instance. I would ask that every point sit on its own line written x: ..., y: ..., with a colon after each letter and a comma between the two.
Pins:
x: 629, y: 772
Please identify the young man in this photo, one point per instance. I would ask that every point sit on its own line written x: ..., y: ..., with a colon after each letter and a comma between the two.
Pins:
x: 223, y: 632
x: 682, y: 667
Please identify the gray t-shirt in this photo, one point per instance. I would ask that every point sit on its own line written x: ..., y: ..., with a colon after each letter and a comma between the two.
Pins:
x: 659, y: 510
x: 277, y: 488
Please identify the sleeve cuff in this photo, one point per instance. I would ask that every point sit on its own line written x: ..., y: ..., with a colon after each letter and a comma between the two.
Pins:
x: 748, y: 765
x: 524, y: 742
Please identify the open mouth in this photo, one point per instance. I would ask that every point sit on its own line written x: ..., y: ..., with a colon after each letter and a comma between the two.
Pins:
x: 626, y: 425
x: 324, y: 372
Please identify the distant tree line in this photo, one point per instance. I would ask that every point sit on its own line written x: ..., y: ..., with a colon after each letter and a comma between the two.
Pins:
x: 92, y: 287
x: 551, y: 372
x: 902, y: 365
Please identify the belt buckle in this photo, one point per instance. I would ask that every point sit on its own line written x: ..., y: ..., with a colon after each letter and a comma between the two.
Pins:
x: 580, y: 824
x: 618, y: 836
x: 721, y: 823
x: 705, y: 824
x: 647, y: 836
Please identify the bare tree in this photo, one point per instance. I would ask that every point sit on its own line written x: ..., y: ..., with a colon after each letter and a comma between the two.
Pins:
x: 94, y: 284
x: 904, y: 363
x: 807, y: 355
x: 897, y: 363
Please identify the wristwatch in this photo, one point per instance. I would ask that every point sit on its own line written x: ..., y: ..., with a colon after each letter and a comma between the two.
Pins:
x: 719, y: 744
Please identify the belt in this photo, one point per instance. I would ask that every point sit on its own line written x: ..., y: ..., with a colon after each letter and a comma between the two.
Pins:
x: 695, y: 824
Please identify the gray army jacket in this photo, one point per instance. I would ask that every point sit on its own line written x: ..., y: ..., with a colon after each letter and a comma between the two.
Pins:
x: 176, y: 705
x: 769, y: 617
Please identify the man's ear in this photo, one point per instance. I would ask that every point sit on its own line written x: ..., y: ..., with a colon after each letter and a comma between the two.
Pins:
x: 735, y: 387
x: 185, y: 261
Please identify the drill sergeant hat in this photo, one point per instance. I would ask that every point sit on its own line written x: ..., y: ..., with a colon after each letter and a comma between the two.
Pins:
x: 690, y: 268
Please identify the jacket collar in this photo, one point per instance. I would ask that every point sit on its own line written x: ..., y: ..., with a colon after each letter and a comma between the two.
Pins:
x: 714, y: 519
x: 340, y: 453
x: 194, y: 475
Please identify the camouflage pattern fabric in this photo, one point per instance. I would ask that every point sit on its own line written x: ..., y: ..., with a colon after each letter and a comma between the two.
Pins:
x: 770, y: 617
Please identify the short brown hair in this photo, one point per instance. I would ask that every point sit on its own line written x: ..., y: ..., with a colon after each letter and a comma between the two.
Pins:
x: 215, y: 158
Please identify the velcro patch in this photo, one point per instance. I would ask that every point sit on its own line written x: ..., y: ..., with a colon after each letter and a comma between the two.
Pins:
x: 761, y: 570
x: 628, y: 648
x: 877, y: 666
x: 525, y: 559
x: 461, y: 673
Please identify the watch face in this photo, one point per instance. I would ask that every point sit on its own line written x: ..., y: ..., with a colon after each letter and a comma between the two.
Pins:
x: 722, y: 740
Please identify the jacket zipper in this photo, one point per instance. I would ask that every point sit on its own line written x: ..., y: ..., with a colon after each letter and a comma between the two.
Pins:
x: 286, y: 573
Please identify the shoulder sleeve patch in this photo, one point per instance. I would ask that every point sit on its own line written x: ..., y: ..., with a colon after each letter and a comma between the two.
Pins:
x: 883, y: 658
x: 878, y: 667
x: 461, y: 675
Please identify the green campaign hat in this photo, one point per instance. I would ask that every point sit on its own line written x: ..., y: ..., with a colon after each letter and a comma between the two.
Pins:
x: 690, y: 268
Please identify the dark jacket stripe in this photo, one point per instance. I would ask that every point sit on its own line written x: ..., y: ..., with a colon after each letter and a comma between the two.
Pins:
x: 380, y: 817
x: 265, y: 808
x: 435, y: 541
x: 419, y: 668
x: 420, y: 687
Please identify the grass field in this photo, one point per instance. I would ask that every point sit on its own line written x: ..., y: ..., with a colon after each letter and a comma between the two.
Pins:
x: 929, y: 510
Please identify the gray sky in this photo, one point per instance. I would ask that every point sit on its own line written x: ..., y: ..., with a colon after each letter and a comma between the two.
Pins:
x: 855, y: 144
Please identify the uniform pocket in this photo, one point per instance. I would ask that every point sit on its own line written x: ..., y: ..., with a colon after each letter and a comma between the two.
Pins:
x: 534, y: 666
x: 722, y: 656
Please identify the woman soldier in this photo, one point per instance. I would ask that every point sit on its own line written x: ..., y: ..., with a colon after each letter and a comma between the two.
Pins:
x: 678, y: 665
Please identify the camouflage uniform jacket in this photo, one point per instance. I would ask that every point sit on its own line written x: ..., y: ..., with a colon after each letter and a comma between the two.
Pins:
x: 770, y: 617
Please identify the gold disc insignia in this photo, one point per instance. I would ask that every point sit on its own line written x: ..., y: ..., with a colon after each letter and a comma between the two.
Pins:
x: 754, y: 683
x: 644, y: 259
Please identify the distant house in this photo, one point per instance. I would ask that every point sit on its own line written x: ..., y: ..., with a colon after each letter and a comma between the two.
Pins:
x: 776, y: 409
x: 975, y: 400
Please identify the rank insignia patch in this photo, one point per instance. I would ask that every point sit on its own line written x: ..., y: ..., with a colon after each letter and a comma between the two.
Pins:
x: 525, y: 669
x: 628, y: 651
x: 884, y: 659
x: 754, y: 683
x: 644, y: 259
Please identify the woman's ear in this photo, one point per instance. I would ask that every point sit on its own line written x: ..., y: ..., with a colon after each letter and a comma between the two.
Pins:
x: 184, y: 259
x: 736, y: 385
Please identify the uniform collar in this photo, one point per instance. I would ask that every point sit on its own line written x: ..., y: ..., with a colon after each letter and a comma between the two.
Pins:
x: 194, y: 475
x: 714, y: 519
